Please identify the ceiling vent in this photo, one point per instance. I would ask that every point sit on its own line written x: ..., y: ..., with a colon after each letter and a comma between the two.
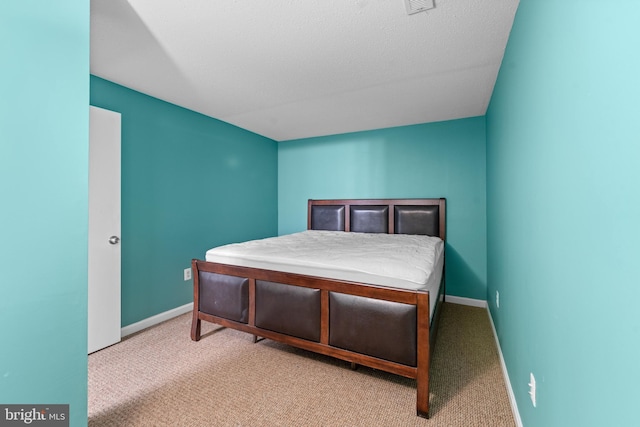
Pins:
x: 415, y: 6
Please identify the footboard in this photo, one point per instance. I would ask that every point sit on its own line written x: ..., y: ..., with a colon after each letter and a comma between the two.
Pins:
x: 380, y: 327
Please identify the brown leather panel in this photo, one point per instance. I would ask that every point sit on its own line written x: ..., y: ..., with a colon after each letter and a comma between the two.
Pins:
x: 288, y: 309
x: 370, y: 219
x: 417, y: 220
x: 224, y: 296
x: 377, y: 328
x: 328, y: 218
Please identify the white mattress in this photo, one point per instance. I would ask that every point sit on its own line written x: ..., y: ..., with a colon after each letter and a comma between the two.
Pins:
x: 395, y: 260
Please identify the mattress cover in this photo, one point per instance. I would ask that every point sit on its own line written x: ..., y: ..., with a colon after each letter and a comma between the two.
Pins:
x: 395, y: 260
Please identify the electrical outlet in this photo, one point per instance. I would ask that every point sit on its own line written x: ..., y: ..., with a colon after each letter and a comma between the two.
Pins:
x: 497, y: 299
x: 187, y: 274
x: 532, y: 388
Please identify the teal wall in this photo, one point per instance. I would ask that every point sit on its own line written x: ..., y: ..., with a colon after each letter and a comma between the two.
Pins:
x: 445, y: 159
x: 44, y: 134
x: 563, y: 156
x: 189, y: 183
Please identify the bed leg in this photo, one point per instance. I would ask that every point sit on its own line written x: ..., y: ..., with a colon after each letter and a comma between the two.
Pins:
x: 423, y: 414
x: 255, y: 339
x: 195, y: 327
x: 195, y: 319
x: 422, y: 398
x: 354, y: 366
x: 424, y: 354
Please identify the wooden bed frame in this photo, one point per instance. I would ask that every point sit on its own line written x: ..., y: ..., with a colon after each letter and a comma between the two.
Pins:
x: 326, y: 311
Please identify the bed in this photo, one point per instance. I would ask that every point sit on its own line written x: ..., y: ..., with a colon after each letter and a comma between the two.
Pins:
x: 383, y: 319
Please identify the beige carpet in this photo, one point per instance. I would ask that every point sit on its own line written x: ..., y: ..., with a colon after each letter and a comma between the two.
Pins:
x: 159, y: 377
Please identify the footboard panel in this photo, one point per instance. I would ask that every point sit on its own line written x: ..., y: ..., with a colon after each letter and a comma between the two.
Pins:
x: 382, y: 329
x: 224, y: 296
x: 278, y: 304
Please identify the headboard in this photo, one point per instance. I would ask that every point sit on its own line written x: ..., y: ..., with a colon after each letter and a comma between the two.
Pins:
x: 393, y: 216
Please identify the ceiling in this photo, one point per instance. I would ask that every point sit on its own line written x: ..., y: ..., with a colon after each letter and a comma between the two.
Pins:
x: 288, y: 69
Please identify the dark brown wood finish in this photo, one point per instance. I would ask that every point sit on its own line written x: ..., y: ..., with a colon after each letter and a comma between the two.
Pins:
x: 252, y: 301
x: 424, y: 356
x: 324, y: 317
x: 420, y: 299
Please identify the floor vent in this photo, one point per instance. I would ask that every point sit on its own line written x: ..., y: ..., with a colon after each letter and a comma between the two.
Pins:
x: 415, y: 6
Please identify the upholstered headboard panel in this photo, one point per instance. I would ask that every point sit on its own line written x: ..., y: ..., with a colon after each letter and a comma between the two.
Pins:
x: 395, y: 216
x: 327, y: 217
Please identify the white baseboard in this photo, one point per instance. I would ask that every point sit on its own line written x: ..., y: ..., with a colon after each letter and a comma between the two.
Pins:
x: 512, y: 397
x: 466, y: 301
x: 154, y: 320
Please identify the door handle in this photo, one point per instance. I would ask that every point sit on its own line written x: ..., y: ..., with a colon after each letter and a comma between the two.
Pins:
x: 114, y: 240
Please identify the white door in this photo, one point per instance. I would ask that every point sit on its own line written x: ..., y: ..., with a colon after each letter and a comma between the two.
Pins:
x: 104, y: 229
